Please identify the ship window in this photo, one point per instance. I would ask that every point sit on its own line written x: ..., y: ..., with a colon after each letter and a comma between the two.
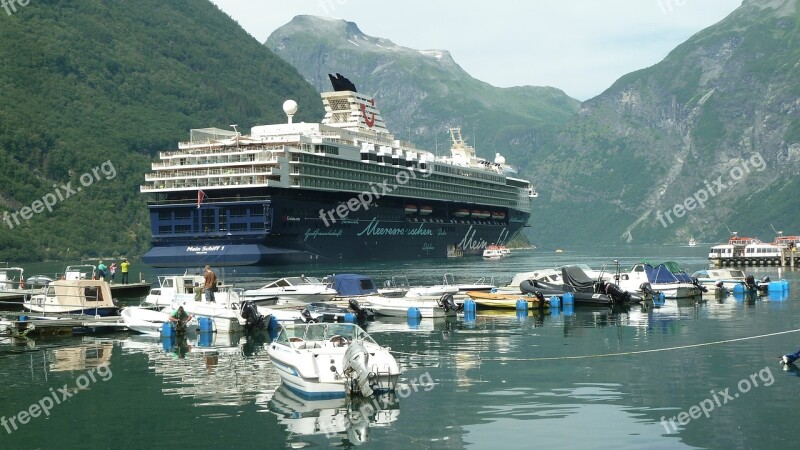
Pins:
x: 165, y: 229
x: 165, y: 215
x: 183, y: 214
x: 238, y: 227
x: 257, y: 226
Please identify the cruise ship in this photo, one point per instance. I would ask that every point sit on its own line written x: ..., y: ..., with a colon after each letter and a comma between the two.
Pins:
x: 342, y: 189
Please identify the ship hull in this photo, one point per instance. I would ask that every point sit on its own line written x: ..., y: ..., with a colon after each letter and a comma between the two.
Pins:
x: 301, y: 231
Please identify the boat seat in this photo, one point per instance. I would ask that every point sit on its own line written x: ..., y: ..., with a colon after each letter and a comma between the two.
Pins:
x: 297, y: 342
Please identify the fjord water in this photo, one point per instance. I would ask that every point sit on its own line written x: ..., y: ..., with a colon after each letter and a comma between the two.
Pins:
x: 593, y: 378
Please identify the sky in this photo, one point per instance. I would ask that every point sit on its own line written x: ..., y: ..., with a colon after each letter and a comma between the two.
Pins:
x: 579, y: 46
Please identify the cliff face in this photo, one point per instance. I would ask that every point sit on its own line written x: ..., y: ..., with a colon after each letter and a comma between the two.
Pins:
x: 708, y: 137
x: 422, y: 93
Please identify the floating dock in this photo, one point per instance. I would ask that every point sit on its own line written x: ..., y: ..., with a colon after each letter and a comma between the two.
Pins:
x: 788, y: 258
x: 62, y: 326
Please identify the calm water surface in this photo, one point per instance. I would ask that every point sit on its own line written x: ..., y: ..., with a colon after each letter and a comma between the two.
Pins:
x: 594, y: 378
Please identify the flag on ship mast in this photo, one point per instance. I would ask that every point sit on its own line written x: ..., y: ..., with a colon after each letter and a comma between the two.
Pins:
x: 200, y: 196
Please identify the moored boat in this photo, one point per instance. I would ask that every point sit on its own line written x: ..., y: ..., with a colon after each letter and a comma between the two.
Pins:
x: 332, y: 360
x: 300, y: 289
x: 428, y: 306
x: 87, y: 297
x: 507, y: 301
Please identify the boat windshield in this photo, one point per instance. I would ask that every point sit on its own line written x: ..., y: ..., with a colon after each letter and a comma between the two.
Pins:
x: 322, y: 332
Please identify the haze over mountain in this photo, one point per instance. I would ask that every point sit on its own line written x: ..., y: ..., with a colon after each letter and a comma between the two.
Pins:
x: 85, y: 83
x: 723, y: 104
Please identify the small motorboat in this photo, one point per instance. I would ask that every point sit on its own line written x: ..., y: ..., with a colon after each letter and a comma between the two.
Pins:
x: 144, y: 320
x: 300, y: 289
x: 711, y: 277
x: 508, y: 301
x: 428, y: 306
x: 496, y: 252
x: 585, y: 290
x: 322, y: 360
x: 87, y: 297
x: 328, y: 312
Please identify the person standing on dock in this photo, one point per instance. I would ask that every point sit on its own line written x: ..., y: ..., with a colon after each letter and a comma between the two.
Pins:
x: 210, y: 285
x: 198, y: 292
x: 101, y: 270
x: 113, y: 270
x: 124, y: 268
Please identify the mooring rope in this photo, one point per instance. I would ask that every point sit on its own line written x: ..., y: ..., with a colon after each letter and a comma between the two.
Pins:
x: 606, y: 355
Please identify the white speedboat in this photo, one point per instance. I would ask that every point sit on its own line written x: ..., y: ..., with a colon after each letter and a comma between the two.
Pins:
x: 328, y: 360
x: 12, y: 279
x: 89, y: 297
x: 428, y: 306
x: 300, y: 289
x: 660, y: 279
x: 174, y: 289
x: 144, y: 320
x: 480, y: 284
x: 496, y: 252
x: 729, y: 277
x: 692, y: 242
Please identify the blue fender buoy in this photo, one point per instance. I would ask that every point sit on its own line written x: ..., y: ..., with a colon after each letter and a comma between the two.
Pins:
x: 205, y: 339
x: 785, y: 285
x: 350, y: 318
x: 273, y: 323
x: 167, y: 342
x: 775, y: 286
x: 522, y: 314
x: 568, y: 299
x: 469, y: 306
x: 738, y: 289
x: 413, y: 312
x: 206, y: 324
x: 23, y: 318
x: 413, y: 320
x: 167, y: 330
x: 569, y: 310
x: 522, y: 304
x: 555, y: 302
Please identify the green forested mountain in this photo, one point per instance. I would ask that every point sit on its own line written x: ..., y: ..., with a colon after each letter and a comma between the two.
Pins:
x: 87, y: 82
x: 716, y: 105
x: 421, y: 93
x: 721, y: 109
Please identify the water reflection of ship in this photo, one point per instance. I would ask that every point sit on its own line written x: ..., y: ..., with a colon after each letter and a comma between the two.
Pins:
x: 350, y: 416
x: 217, y: 369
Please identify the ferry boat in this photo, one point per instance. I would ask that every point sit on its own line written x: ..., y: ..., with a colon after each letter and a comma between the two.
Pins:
x: 342, y: 189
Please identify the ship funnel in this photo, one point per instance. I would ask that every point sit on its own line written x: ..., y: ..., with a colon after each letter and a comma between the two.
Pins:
x: 290, y: 108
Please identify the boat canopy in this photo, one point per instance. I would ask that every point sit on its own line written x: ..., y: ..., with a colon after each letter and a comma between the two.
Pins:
x: 352, y: 284
x: 679, y: 273
x: 576, y: 278
x: 660, y: 274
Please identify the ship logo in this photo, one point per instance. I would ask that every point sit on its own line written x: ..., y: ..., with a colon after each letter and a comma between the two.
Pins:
x: 370, y: 121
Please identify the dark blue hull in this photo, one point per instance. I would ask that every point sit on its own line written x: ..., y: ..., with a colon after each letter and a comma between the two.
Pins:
x: 293, y: 230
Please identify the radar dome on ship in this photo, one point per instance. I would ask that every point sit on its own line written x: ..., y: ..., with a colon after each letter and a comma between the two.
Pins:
x: 290, y: 108
x: 499, y: 159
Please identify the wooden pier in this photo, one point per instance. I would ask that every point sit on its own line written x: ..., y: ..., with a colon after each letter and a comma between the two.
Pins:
x: 789, y: 258
x: 63, y: 325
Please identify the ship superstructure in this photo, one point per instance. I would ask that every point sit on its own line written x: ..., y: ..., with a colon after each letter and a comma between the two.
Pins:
x: 342, y: 189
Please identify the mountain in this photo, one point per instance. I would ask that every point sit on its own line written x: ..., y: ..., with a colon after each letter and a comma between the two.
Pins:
x: 706, y: 138
x: 422, y: 93
x: 714, y: 128
x: 107, y: 85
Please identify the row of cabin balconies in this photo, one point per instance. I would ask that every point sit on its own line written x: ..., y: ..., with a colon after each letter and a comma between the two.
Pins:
x: 188, y: 150
x: 208, y: 183
x: 224, y: 160
x: 226, y: 172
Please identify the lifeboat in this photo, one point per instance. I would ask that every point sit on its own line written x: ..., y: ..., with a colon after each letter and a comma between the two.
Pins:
x: 461, y: 212
x: 411, y: 209
x: 425, y: 210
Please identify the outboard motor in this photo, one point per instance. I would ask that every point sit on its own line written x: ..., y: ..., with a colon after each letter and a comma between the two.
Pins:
x: 446, y: 301
x: 697, y: 283
x: 356, y: 361
x: 362, y: 314
x: 617, y: 294
x: 253, y: 320
x: 540, y: 297
x: 306, y: 315
x: 763, y: 286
